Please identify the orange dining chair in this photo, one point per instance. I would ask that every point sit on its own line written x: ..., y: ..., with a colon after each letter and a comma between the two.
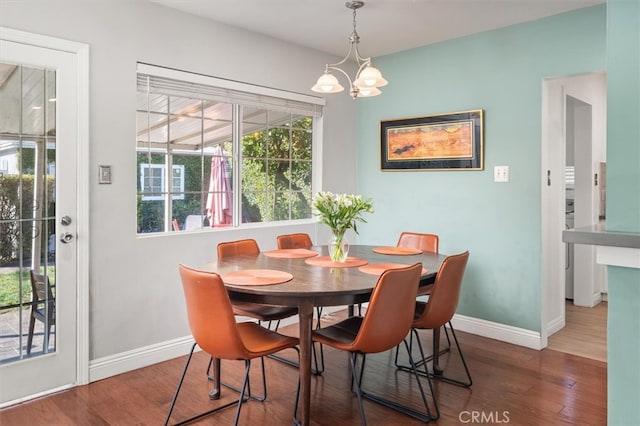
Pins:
x: 424, y: 242
x: 427, y: 243
x: 386, y: 323
x: 253, y: 310
x: 263, y: 313
x: 439, y: 310
x: 216, y: 332
x: 294, y: 241
x: 43, y: 309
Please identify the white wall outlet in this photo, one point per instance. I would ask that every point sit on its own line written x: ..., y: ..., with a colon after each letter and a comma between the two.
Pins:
x: 501, y: 174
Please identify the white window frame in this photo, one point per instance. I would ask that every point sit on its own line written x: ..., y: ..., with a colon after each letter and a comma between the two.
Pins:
x: 255, y: 95
x: 175, y: 194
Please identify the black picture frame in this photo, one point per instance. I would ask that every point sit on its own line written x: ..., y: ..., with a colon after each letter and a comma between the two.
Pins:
x: 450, y: 141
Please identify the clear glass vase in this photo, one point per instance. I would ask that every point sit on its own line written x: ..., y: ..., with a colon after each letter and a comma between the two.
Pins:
x: 338, y: 247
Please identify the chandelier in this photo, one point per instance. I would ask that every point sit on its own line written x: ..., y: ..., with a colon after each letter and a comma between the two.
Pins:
x: 367, y: 78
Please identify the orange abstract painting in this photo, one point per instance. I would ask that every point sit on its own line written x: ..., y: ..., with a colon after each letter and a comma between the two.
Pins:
x: 435, y: 142
x: 443, y: 140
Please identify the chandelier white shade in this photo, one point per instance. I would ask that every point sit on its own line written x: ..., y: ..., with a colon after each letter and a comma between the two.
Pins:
x: 327, y: 83
x: 367, y: 78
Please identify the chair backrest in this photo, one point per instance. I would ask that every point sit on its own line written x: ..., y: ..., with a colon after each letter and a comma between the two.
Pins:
x: 424, y: 242
x: 193, y: 221
x: 237, y: 248
x: 389, y: 315
x: 443, y: 300
x: 210, y: 314
x: 294, y: 241
x: 40, y: 288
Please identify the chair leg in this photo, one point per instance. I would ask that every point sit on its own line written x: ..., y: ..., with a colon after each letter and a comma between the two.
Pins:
x: 464, y: 363
x: 216, y: 395
x: 45, y: 340
x: 245, y: 387
x: 423, y: 358
x: 240, y: 400
x: 440, y: 375
x: 295, y: 406
x: 357, y: 381
x: 32, y: 324
x: 425, y: 416
x: 319, y: 366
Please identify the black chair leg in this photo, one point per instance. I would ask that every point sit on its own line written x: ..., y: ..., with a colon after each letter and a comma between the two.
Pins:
x: 319, y: 366
x: 425, y: 416
x: 250, y: 395
x: 244, y: 391
x: 423, y: 359
x: 464, y: 363
x: 357, y: 381
x: 32, y: 324
x: 440, y: 375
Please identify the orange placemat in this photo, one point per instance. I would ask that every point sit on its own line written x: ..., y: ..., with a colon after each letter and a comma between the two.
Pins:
x: 328, y: 263
x: 400, y: 251
x: 379, y: 268
x: 256, y: 277
x: 290, y: 253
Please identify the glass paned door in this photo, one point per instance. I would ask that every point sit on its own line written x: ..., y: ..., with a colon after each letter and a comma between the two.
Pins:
x: 38, y: 205
x: 27, y: 212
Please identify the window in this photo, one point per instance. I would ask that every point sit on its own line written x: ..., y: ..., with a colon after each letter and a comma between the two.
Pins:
x: 154, y: 183
x: 236, y: 156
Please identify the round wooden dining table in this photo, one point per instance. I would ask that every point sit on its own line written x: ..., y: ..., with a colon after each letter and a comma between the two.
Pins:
x: 315, y: 281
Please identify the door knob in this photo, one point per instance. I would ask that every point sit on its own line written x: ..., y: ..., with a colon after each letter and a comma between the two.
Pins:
x: 66, y: 238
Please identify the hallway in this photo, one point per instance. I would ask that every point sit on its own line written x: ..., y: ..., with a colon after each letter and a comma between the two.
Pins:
x: 585, y: 332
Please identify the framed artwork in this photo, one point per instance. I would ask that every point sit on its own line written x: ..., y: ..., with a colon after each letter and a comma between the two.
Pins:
x: 452, y: 141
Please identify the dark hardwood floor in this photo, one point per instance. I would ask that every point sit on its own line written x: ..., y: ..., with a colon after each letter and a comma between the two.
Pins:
x: 511, y: 385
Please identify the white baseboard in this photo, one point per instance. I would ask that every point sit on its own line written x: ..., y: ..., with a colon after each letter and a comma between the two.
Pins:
x: 493, y: 330
x: 597, y: 298
x: 555, y: 325
x: 137, y: 358
x: 112, y: 365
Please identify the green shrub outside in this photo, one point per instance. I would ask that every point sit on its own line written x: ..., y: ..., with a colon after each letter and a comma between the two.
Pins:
x: 16, y: 202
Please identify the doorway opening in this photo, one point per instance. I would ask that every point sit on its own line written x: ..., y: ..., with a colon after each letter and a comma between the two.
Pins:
x: 573, y: 148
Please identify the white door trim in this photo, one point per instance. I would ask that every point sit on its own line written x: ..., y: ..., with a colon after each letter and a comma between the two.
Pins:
x: 81, y: 51
x: 591, y: 88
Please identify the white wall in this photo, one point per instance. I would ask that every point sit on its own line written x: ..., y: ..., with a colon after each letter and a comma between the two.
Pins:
x: 135, y: 296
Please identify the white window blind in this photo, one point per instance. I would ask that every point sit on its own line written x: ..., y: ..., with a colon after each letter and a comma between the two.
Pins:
x: 168, y: 81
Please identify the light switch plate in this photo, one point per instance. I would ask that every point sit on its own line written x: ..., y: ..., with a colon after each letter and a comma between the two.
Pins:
x: 104, y: 174
x: 501, y: 174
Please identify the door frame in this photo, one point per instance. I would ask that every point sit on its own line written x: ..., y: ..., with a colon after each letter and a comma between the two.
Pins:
x: 585, y: 87
x: 81, y: 52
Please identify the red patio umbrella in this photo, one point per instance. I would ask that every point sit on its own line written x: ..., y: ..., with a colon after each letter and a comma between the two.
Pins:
x: 219, y: 198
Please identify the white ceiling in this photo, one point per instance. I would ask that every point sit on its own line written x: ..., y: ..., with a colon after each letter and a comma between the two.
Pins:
x: 384, y: 26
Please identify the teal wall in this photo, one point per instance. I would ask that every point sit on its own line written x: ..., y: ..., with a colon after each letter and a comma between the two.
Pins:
x: 623, y: 207
x: 500, y: 72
